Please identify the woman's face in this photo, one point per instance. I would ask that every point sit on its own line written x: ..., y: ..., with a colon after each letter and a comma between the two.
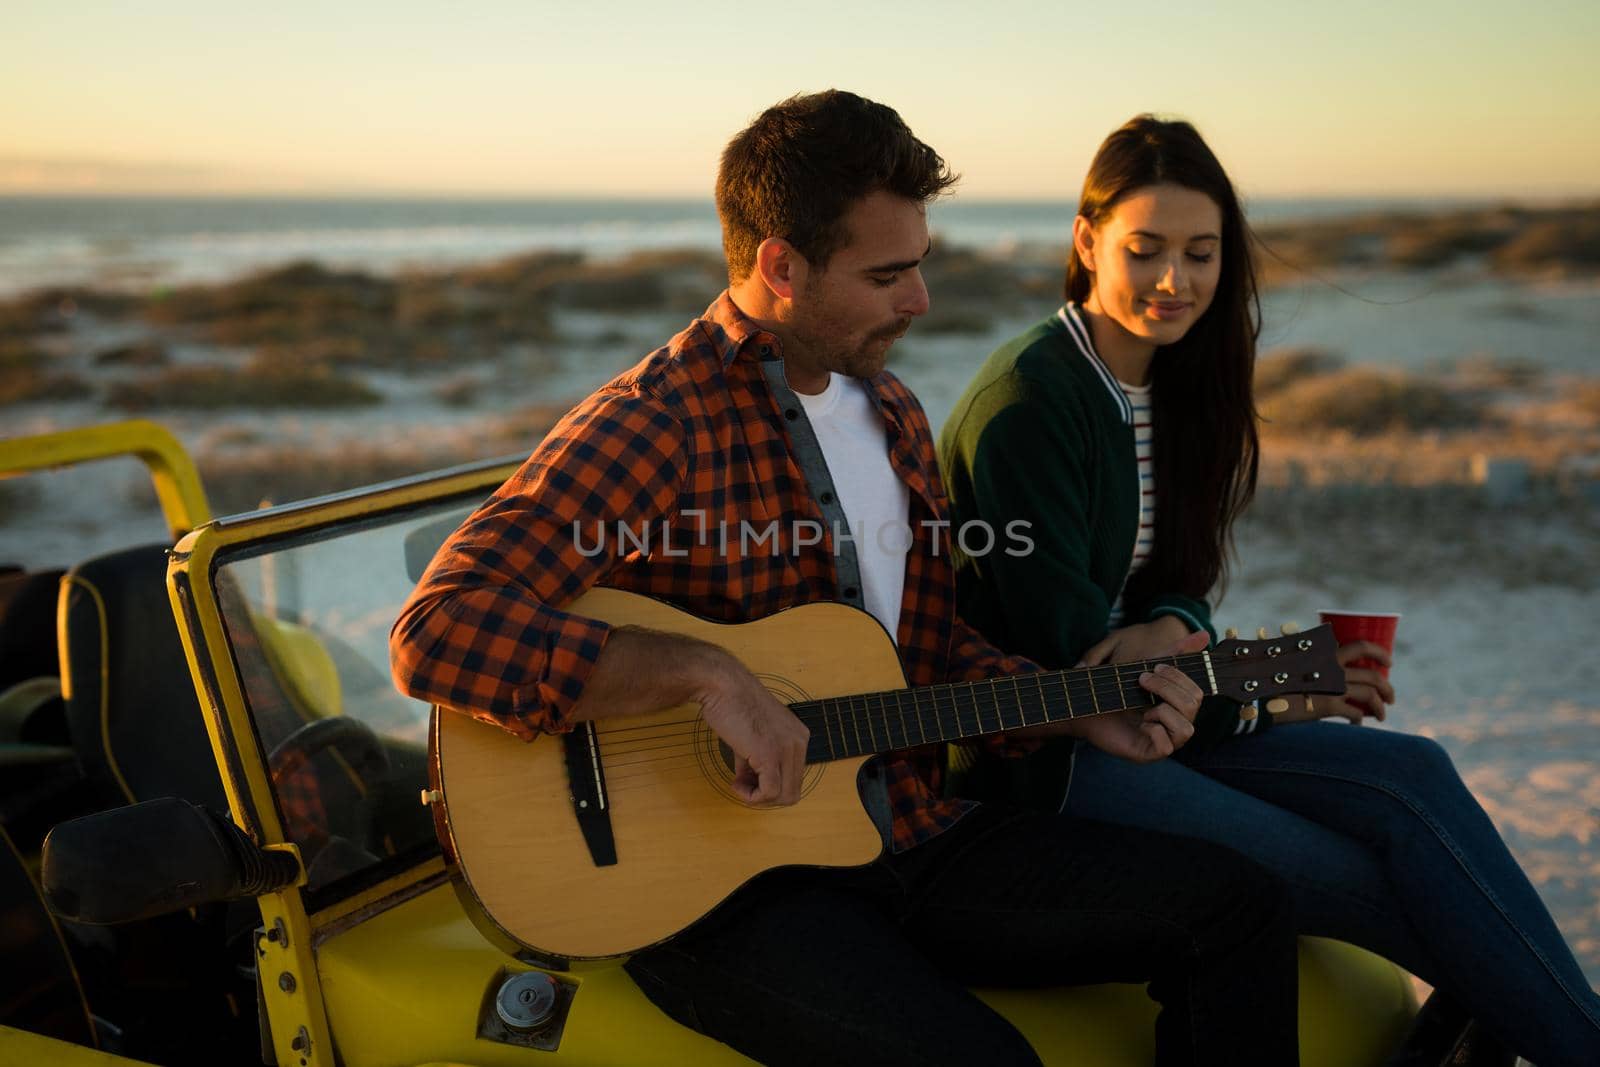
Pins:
x: 1155, y: 260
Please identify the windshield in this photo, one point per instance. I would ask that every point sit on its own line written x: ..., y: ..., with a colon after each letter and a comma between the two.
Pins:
x: 347, y: 754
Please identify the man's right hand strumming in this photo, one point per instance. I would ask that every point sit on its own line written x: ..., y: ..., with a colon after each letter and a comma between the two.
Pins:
x: 641, y: 671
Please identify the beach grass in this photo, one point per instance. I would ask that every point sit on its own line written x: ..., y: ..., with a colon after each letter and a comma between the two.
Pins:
x: 29, y: 375
x: 1365, y: 401
x: 260, y: 384
x: 242, y: 472
x: 1280, y: 368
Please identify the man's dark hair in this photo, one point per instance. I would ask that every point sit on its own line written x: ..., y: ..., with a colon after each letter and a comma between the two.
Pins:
x: 795, y: 171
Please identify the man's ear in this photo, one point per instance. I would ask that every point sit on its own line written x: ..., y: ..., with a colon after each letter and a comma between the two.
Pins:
x: 781, y: 268
x: 1083, y: 241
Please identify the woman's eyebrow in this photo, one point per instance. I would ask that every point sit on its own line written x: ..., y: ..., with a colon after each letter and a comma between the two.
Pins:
x: 1162, y: 237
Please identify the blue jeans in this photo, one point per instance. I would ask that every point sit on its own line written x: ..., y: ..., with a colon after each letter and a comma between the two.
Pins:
x: 1383, y: 846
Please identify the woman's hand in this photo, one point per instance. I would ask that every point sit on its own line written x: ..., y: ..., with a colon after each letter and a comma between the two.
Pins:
x: 1145, y: 640
x: 1367, y: 694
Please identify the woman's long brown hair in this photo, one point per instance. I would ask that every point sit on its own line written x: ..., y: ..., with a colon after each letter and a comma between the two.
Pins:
x: 1206, y: 451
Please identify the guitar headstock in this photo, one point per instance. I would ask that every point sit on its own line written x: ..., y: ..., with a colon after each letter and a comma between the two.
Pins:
x: 1303, y: 662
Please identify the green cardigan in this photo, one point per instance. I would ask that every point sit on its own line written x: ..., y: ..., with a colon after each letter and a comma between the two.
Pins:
x: 1038, y: 436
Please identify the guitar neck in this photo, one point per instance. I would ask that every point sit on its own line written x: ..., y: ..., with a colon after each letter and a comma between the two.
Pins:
x: 869, y: 723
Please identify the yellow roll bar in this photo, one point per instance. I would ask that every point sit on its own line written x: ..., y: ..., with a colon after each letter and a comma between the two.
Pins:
x: 177, y: 482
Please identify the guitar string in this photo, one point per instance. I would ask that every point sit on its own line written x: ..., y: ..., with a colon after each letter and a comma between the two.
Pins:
x: 657, y: 774
x: 1079, y: 682
x: 981, y: 699
x: 984, y: 698
x: 961, y: 709
x: 818, y: 718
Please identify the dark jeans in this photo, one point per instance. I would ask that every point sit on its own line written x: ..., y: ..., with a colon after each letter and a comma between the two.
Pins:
x: 869, y: 966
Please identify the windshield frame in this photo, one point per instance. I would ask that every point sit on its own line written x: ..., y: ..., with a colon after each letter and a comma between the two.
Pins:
x: 194, y: 566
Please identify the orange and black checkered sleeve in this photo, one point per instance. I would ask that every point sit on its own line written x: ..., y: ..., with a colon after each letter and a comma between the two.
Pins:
x: 482, y: 632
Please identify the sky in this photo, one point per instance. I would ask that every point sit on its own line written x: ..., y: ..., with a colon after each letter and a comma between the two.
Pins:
x: 532, y: 98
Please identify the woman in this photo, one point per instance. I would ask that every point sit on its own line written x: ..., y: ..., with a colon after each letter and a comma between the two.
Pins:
x: 1122, y: 429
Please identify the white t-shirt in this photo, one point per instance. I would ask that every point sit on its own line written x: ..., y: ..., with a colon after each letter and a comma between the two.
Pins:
x: 876, y: 503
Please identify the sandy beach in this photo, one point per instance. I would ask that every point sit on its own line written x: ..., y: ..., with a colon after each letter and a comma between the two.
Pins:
x: 1376, y: 474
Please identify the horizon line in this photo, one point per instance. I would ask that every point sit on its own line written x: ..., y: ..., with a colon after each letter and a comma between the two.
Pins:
x: 1540, y: 197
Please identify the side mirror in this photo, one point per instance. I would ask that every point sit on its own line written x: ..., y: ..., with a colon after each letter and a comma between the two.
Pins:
x: 154, y: 858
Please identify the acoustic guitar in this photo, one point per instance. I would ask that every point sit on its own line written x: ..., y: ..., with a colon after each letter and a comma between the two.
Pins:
x: 616, y: 836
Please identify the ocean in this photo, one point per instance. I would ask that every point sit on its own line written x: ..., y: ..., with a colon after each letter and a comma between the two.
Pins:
x: 142, y: 241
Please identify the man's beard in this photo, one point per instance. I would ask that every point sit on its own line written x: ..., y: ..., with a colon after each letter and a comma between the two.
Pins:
x: 868, y: 360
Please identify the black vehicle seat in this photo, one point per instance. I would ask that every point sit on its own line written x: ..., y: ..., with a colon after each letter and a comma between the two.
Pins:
x: 39, y: 987
x: 132, y: 712
x: 27, y: 625
x: 170, y: 984
x: 40, y: 782
x: 30, y: 683
x: 131, y: 709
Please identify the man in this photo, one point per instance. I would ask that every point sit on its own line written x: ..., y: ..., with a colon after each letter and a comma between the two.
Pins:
x: 774, y: 406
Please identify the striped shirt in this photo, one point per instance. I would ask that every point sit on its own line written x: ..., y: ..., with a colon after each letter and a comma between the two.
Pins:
x: 1144, y: 436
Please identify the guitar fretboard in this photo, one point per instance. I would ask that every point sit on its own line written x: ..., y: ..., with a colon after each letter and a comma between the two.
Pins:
x: 868, y: 723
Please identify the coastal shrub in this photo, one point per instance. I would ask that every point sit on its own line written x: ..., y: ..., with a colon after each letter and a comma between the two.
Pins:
x: 1426, y: 243
x: 1587, y: 397
x: 260, y: 384
x: 680, y: 280
x: 52, y: 309
x: 1282, y: 367
x: 1500, y: 373
x: 1570, y: 243
x: 1364, y: 401
x: 145, y: 353
x: 20, y: 354
x: 238, y: 479
x: 522, y: 273
x: 1288, y: 249
x: 19, y: 320
x: 460, y: 392
x: 27, y: 377
x: 301, y: 284
x: 355, y: 319
x: 958, y: 319
x: 242, y: 481
x: 961, y: 275
x: 298, y: 302
x: 28, y: 387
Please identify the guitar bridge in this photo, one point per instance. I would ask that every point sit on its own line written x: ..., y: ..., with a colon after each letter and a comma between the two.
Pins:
x: 590, y: 805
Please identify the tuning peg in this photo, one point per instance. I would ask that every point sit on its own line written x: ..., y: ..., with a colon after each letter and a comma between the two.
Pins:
x: 1277, y: 706
x: 1290, y: 628
x: 1247, y: 712
x: 1231, y: 633
x: 1261, y: 633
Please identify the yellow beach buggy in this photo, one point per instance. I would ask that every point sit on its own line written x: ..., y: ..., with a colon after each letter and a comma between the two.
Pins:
x: 242, y: 864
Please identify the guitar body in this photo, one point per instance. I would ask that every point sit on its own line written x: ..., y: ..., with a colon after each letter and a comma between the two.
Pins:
x: 683, y: 841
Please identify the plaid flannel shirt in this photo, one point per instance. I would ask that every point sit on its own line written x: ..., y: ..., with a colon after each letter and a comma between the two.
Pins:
x: 694, y: 438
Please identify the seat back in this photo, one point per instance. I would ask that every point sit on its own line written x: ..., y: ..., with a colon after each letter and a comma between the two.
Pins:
x: 131, y: 710
x: 39, y: 989
x: 27, y: 627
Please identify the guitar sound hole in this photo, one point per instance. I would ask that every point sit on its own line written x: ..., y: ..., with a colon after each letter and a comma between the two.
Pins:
x: 717, y: 761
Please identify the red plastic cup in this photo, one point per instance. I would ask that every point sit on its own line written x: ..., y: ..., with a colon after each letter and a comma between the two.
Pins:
x: 1375, y: 626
